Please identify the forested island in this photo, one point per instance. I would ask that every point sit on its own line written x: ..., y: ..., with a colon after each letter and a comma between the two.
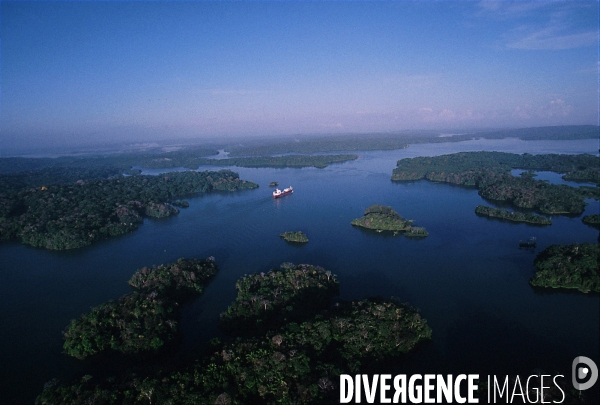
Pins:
x: 489, y: 172
x: 592, y: 220
x: 382, y: 218
x: 145, y: 319
x: 295, y: 237
x: 512, y: 216
x: 294, y: 355
x: 68, y: 216
x: 572, y: 266
x: 267, y: 300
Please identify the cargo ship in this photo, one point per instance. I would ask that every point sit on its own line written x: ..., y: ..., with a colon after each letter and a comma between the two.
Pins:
x: 278, y: 193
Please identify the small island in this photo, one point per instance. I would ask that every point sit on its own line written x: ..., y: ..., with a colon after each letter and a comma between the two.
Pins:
x: 592, y: 220
x: 571, y: 266
x: 294, y: 237
x: 416, y: 232
x: 268, y: 300
x: 512, y: 216
x: 382, y: 218
x: 273, y: 184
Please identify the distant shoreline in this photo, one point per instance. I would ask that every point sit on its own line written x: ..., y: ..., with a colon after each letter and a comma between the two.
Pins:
x: 313, y: 143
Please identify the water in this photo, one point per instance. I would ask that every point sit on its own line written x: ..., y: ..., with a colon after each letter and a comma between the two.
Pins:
x: 469, y: 278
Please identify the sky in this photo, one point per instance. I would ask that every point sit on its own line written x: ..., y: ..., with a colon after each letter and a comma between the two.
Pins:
x: 100, y: 71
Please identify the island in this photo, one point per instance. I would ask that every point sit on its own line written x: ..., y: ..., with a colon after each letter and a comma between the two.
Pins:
x: 382, y: 218
x: 298, y: 345
x: 568, y: 266
x: 145, y: 319
x: 489, y: 172
x: 512, y: 216
x: 266, y: 300
x: 294, y: 237
x: 74, y: 215
x: 592, y: 220
x: 273, y: 184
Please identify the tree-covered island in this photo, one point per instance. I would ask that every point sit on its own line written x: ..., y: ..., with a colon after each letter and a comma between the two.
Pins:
x: 592, y: 220
x: 571, y: 266
x: 267, y: 300
x: 512, y: 216
x: 295, y: 356
x: 68, y: 216
x: 382, y: 218
x: 489, y: 172
x: 145, y: 319
x: 294, y: 237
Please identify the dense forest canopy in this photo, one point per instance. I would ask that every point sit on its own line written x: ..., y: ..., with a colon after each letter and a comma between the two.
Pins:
x: 489, y: 172
x: 289, y: 347
x: 68, y: 216
x: 512, y: 216
x: 382, y: 218
x: 145, y: 319
x: 571, y: 266
x: 44, y: 172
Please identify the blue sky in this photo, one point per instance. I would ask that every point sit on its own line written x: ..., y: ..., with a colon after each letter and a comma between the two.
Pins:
x: 77, y: 72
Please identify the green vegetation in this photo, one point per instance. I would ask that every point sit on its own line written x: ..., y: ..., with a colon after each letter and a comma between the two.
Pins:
x: 18, y: 173
x: 145, y: 319
x: 302, y: 346
x: 382, y: 218
x: 512, y: 215
x: 273, y: 184
x: 295, y: 237
x: 318, y: 161
x: 572, y: 266
x: 340, y: 143
x: 416, y: 232
x: 400, y: 140
x: 58, y: 175
x: 266, y: 300
x: 74, y: 215
x: 489, y: 172
x: 592, y: 220
x: 587, y: 175
x: 181, y: 203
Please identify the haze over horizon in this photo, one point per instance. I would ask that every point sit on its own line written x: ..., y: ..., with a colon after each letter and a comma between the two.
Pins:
x: 86, y: 73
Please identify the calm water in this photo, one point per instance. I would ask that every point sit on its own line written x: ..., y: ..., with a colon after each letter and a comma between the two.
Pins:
x: 469, y: 278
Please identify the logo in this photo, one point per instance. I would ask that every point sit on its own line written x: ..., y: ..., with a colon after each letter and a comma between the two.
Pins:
x: 583, y: 369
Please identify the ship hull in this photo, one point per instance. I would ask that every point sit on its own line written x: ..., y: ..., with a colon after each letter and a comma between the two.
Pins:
x: 283, y: 194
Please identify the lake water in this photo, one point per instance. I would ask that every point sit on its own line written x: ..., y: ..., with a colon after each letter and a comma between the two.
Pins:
x: 469, y: 278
